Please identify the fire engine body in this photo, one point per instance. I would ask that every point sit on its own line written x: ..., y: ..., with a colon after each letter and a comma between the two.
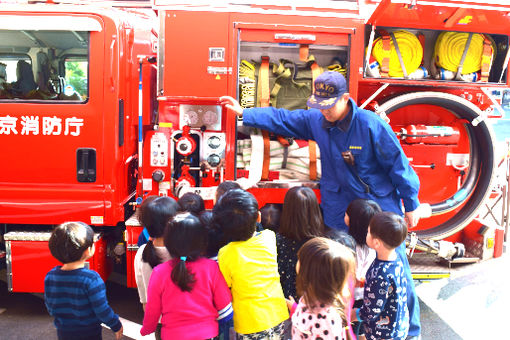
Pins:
x: 170, y: 135
x: 68, y: 157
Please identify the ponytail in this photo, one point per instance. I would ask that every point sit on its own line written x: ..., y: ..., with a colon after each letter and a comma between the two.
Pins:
x: 150, y: 256
x: 183, y: 278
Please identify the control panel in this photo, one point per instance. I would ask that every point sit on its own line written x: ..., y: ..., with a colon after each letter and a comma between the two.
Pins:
x: 159, y: 150
x: 213, y: 148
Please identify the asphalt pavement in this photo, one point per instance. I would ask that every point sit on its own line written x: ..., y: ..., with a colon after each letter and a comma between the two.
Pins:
x: 471, y: 304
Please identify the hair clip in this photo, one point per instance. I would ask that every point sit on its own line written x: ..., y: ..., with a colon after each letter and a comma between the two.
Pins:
x: 183, y: 258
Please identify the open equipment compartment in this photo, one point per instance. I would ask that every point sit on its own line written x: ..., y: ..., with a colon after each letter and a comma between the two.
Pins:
x: 291, y: 72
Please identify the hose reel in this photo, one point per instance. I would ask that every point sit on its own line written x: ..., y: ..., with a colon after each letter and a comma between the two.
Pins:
x: 477, y: 185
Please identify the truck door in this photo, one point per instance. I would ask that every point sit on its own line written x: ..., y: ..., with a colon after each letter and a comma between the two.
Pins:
x: 51, y: 118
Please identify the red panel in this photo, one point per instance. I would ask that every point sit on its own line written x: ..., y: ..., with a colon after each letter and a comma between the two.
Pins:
x: 266, y: 33
x: 273, y: 195
x: 32, y: 260
x: 188, y: 37
x: 449, y: 15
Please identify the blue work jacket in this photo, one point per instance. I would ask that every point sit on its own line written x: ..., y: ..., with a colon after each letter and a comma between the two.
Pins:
x: 381, y: 170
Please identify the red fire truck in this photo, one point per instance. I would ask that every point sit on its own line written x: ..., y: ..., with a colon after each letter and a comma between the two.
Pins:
x: 109, y: 119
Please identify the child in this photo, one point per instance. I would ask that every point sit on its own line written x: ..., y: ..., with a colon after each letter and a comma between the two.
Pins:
x: 192, y: 203
x: 249, y: 266
x: 74, y: 295
x: 223, y: 188
x: 214, y: 243
x: 301, y: 220
x: 357, y: 217
x: 323, y: 269
x: 154, y: 215
x: 270, y: 216
x: 384, y: 312
x: 188, y: 292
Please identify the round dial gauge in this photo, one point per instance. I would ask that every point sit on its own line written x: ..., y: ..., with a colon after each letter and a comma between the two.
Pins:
x: 214, y: 142
x: 191, y: 117
x: 210, y: 117
x: 214, y: 160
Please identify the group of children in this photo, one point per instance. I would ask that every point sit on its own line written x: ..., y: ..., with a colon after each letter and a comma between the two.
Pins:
x: 189, y: 293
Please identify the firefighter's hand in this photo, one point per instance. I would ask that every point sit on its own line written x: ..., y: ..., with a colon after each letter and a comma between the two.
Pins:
x: 118, y: 334
x: 412, y: 218
x: 232, y: 104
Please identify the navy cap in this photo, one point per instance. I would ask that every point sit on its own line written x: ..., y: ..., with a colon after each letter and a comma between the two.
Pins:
x: 328, y: 88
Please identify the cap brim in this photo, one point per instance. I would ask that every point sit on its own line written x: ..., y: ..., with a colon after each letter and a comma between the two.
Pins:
x: 321, y: 103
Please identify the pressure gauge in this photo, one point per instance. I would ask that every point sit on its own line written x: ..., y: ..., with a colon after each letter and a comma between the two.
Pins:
x: 214, y: 160
x: 214, y: 142
x: 210, y: 117
x: 191, y: 117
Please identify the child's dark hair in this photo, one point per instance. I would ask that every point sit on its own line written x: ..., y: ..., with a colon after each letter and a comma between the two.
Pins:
x: 224, y: 187
x: 69, y: 240
x: 192, y: 203
x: 185, y: 240
x: 324, y: 267
x: 389, y: 228
x: 342, y: 237
x: 214, y: 234
x: 270, y: 216
x: 155, y: 212
x: 236, y: 213
x: 301, y: 215
x: 360, y: 211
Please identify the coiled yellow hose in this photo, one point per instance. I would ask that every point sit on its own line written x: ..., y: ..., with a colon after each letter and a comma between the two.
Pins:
x: 450, y: 47
x: 410, y: 50
x: 246, y: 84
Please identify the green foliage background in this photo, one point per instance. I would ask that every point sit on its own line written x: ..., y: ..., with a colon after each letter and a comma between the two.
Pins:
x: 76, y: 76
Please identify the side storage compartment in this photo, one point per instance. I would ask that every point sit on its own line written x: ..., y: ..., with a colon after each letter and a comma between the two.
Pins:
x: 29, y: 259
x: 440, y: 90
x: 277, y: 68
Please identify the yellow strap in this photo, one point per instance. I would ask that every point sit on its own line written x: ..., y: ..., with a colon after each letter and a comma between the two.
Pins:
x: 264, y: 82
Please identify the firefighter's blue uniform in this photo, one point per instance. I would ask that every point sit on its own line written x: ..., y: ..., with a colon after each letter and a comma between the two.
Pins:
x: 381, y: 171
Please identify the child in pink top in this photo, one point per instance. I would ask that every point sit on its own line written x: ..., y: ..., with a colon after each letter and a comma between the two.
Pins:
x: 189, y: 291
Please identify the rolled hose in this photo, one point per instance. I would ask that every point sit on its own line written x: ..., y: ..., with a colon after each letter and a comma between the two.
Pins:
x: 477, y: 185
x: 449, y: 49
x: 410, y: 49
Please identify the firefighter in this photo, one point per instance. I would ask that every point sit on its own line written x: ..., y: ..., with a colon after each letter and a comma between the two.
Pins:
x: 361, y: 158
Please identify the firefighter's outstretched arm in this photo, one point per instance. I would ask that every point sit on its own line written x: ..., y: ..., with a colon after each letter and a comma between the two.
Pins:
x: 232, y: 104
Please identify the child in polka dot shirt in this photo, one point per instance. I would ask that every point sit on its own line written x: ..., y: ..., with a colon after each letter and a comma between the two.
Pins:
x: 323, y: 269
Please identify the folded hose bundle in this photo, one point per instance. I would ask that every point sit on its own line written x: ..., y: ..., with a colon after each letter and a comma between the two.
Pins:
x: 408, y: 50
x: 463, y: 54
x: 291, y: 163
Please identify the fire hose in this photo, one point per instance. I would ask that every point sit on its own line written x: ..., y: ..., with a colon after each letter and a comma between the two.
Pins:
x: 477, y: 185
x: 450, y: 48
x: 409, y: 50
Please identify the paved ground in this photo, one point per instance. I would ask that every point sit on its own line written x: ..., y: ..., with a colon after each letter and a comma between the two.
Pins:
x: 473, y: 302
x: 470, y: 304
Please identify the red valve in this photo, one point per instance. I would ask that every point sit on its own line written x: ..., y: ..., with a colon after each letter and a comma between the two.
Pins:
x: 185, y: 179
x: 185, y: 145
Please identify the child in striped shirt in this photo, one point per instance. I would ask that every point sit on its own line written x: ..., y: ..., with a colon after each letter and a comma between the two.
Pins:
x: 74, y: 295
